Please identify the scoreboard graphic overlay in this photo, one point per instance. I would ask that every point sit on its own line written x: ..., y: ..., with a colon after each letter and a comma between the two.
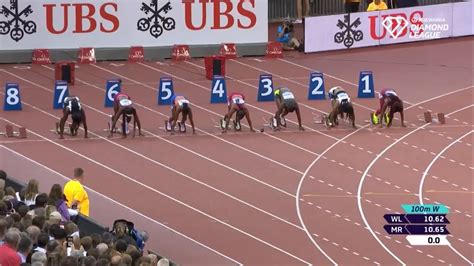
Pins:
x: 423, y: 225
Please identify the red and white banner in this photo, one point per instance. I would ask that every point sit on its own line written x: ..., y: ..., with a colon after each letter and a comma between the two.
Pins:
x: 388, y: 26
x: 29, y: 24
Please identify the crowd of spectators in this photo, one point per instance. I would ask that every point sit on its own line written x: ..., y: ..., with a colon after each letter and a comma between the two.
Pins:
x: 38, y: 229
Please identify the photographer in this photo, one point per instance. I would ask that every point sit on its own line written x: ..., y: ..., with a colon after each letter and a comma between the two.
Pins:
x: 286, y: 37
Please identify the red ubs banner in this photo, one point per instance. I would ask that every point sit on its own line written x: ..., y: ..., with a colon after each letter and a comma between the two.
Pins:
x: 28, y: 24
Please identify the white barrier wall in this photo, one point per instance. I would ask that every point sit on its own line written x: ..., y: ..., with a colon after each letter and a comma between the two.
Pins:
x: 29, y: 24
x: 388, y: 26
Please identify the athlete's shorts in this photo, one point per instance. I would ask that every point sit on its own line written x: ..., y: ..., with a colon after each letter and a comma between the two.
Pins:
x: 290, y: 105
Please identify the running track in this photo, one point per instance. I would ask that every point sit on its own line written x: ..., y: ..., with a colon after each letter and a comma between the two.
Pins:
x: 313, y: 197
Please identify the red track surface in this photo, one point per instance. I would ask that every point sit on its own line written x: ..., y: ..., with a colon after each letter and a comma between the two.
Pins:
x: 274, y: 198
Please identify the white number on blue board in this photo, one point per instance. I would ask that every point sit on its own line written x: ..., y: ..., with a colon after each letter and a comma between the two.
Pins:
x: 218, y: 88
x: 267, y: 84
x: 165, y: 87
x: 12, y: 96
x: 318, y: 86
x: 112, y: 92
x: 366, y: 80
x: 62, y: 89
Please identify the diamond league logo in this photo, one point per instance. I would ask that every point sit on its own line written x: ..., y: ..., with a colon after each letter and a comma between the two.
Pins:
x: 395, y: 26
x: 348, y: 33
x: 16, y: 23
x: 156, y: 20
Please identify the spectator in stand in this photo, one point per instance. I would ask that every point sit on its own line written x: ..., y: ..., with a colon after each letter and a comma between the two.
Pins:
x: 28, y: 195
x: 8, y: 256
x: 39, y: 221
x: 43, y: 239
x: 96, y: 239
x: 351, y: 6
x: 33, y: 232
x: 55, y: 218
x: 38, y: 257
x: 3, y: 209
x: 86, y: 243
x: 93, y: 252
x: 3, y: 179
x: 121, y: 246
x: 24, y: 247
x: 102, y: 248
x: 120, y: 231
x: 377, y: 5
x: 406, y: 3
x: 56, y: 198
x: 89, y: 261
x: 33, y: 236
x: 107, y: 238
x: 71, y: 229
x: 154, y: 259
x: 163, y: 262
x: 300, y: 5
x: 22, y: 210
x: 60, y: 236
x: 286, y: 37
x: 126, y: 259
x: 40, y: 204
x: 51, y: 246
x: 3, y: 229
x: 75, y: 194
x: 9, y: 193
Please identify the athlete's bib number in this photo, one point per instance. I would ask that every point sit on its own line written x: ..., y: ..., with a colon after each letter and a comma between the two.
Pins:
x: 287, y: 95
x: 182, y: 101
x: 125, y: 102
x: 238, y: 100
x: 342, y: 97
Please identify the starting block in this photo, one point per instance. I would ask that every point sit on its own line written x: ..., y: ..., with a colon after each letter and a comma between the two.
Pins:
x: 10, y: 133
x: 22, y: 133
x: 440, y: 118
x: 427, y: 116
